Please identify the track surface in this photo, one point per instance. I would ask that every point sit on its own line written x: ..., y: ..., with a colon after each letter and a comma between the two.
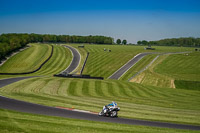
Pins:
x: 17, y: 105
x: 127, y: 66
x: 75, y: 61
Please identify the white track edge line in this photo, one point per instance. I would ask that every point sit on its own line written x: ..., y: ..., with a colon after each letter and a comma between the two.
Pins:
x: 123, y: 65
x: 71, y: 60
x: 130, y: 67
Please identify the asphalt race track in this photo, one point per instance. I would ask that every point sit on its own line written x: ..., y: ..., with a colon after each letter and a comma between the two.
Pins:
x: 127, y: 66
x: 22, y: 106
x: 75, y: 61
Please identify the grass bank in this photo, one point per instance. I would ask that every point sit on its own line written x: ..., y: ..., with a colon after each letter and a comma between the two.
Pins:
x: 136, y: 101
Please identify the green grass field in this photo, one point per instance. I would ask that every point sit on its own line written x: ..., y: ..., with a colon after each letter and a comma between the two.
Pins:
x: 16, y: 122
x: 136, y: 101
x: 178, y: 70
x: 154, y: 98
x: 181, y: 66
x: 59, y: 61
x: 103, y: 63
x: 28, y: 60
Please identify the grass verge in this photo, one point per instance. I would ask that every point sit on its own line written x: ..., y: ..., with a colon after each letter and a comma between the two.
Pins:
x: 11, y: 121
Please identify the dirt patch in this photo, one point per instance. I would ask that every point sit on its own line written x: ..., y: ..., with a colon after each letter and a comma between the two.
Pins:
x: 172, y: 84
x: 138, y: 79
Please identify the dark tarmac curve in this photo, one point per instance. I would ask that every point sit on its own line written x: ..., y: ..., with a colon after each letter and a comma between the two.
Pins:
x: 22, y: 106
x: 75, y: 61
x: 127, y: 66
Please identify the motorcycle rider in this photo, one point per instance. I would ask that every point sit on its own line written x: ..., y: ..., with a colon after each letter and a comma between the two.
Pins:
x: 111, y: 105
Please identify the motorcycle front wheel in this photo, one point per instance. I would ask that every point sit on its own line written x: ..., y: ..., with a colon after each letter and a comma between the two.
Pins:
x: 113, y: 114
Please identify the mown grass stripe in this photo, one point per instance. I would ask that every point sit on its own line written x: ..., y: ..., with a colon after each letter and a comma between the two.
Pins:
x: 72, y: 86
x: 85, y: 88
x: 98, y: 88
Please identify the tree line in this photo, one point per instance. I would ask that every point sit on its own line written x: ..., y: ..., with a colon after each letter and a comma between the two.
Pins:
x: 124, y: 42
x: 187, y: 41
x: 13, y: 41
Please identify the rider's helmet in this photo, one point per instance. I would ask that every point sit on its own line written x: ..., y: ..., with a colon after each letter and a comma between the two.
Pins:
x: 114, y: 103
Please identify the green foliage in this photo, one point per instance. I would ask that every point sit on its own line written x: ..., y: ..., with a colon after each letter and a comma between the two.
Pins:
x: 139, y: 42
x: 124, y: 42
x: 118, y: 41
x: 187, y: 41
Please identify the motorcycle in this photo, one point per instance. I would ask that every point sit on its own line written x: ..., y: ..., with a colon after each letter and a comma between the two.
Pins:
x: 109, y: 111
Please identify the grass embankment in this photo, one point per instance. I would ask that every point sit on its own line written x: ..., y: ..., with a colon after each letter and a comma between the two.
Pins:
x: 103, y: 63
x: 136, y: 101
x: 179, y: 70
x: 14, y: 122
x: 59, y: 61
x: 181, y: 66
x: 27, y: 60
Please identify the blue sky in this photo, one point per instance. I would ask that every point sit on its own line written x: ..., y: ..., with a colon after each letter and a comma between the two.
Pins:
x: 125, y: 19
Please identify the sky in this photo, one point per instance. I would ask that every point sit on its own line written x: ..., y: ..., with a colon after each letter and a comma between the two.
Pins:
x: 132, y: 20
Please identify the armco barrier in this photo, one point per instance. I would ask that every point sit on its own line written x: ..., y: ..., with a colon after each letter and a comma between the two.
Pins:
x: 33, y: 70
x: 77, y: 76
x: 84, y: 62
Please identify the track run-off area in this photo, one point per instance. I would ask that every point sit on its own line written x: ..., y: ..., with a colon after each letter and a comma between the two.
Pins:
x: 17, y: 105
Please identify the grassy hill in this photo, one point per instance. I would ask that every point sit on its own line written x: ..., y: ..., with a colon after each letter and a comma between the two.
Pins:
x: 59, y: 61
x: 27, y: 60
x: 155, y: 98
x: 103, y: 63
x: 174, y: 71
x: 181, y: 66
x: 136, y: 101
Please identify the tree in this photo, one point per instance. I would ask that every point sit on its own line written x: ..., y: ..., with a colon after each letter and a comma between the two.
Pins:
x: 139, y: 42
x: 119, y: 41
x: 144, y: 42
x: 124, y: 42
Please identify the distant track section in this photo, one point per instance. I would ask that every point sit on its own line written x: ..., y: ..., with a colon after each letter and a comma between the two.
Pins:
x: 35, y: 69
x: 75, y: 61
x: 127, y: 66
x: 4, y: 82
